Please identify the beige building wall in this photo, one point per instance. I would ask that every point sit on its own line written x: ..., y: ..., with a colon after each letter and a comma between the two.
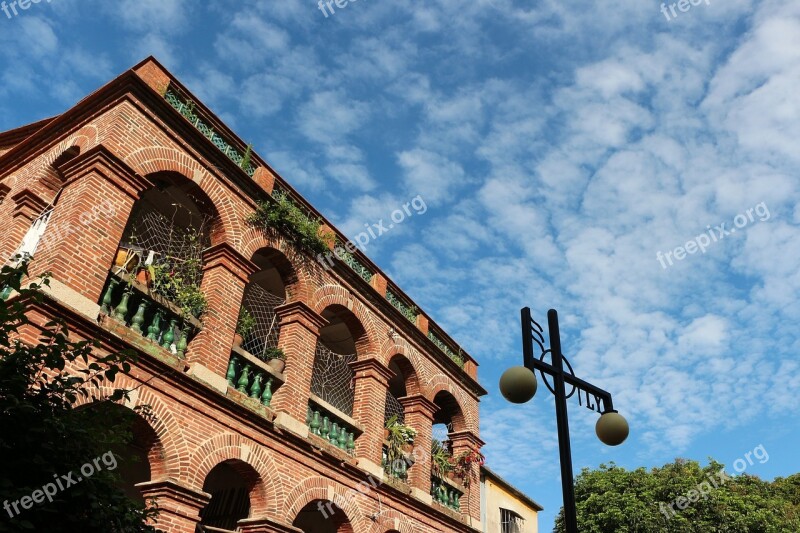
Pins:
x: 496, y: 494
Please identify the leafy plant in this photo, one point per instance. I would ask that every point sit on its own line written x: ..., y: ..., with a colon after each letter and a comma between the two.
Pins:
x: 180, y: 287
x: 178, y: 280
x: 399, y: 432
x: 246, y: 322
x: 440, y: 460
x: 462, y: 465
x: 273, y: 353
x: 41, y: 431
x: 399, y: 436
x: 283, y: 215
x: 248, y: 154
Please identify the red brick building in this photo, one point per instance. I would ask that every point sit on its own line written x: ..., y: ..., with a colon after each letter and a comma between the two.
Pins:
x: 140, y: 172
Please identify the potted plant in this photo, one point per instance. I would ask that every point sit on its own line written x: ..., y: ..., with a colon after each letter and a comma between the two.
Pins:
x: 244, y: 326
x: 275, y: 358
x: 462, y: 465
x: 440, y: 460
x: 399, y: 437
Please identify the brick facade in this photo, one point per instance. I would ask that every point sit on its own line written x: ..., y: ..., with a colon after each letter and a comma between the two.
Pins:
x: 119, y: 142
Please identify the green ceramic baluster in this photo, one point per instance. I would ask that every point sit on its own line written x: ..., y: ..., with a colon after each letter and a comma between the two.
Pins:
x: 138, y: 318
x: 244, y: 379
x: 122, y: 308
x: 351, y: 445
x: 155, y: 326
x: 451, y: 499
x: 343, y: 439
x: 169, y: 336
x: 457, y: 503
x: 231, y: 375
x: 255, y: 390
x: 326, y: 427
x: 105, y: 307
x: 333, y: 436
x: 266, y: 397
x: 315, y: 423
x: 183, y: 341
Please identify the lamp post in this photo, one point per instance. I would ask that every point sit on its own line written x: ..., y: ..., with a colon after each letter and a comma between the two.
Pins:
x: 518, y: 385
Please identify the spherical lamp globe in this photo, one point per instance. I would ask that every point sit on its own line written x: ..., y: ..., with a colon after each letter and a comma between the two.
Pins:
x: 518, y: 384
x: 612, y: 428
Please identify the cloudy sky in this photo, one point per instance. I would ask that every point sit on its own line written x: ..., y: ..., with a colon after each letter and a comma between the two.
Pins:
x: 559, y: 146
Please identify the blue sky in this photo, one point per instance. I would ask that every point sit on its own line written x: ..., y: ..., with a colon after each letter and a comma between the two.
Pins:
x: 558, y: 145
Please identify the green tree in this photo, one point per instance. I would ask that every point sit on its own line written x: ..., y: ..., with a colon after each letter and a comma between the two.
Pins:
x: 612, y: 499
x: 43, y: 437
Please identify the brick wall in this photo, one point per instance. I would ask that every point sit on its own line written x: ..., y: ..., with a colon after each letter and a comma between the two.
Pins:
x: 122, y: 148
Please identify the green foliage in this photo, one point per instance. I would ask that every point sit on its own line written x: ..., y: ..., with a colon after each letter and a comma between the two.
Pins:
x: 273, y: 353
x: 462, y: 465
x: 42, y: 435
x: 178, y: 279
x: 245, y: 323
x: 282, y: 215
x: 248, y: 154
x: 614, y: 500
x: 441, y: 463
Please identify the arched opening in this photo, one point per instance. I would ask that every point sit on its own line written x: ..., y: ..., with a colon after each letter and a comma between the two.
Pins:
x: 230, y: 484
x: 138, y: 455
x: 258, y: 322
x: 332, y: 378
x: 402, y: 383
x: 321, y: 516
x: 154, y: 285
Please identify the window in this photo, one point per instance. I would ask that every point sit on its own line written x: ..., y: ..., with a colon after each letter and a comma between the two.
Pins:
x: 510, y: 522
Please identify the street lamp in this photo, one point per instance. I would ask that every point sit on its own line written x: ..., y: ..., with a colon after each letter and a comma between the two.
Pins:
x: 518, y: 385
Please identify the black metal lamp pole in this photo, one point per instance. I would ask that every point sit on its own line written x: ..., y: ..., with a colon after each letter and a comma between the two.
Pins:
x: 518, y: 385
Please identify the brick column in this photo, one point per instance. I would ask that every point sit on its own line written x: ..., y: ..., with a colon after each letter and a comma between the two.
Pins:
x: 265, y: 525
x: 464, y: 441
x: 225, y: 274
x: 86, y: 225
x: 27, y: 205
x: 179, y: 507
x: 419, y: 413
x: 300, y: 327
x: 371, y: 383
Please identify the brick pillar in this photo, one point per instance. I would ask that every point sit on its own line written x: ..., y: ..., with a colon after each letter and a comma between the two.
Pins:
x: 265, y: 525
x: 27, y: 205
x: 371, y: 383
x: 464, y: 441
x: 419, y: 413
x: 86, y: 225
x: 300, y: 327
x: 225, y: 274
x: 179, y: 507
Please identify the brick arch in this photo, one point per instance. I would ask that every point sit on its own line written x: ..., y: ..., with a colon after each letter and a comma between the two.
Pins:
x: 392, y: 520
x: 336, y: 295
x: 440, y: 383
x: 319, y: 488
x: 173, y: 446
x: 155, y: 159
x: 391, y: 347
x: 253, y: 240
x: 267, y: 494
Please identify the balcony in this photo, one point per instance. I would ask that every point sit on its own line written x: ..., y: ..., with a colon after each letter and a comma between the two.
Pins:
x: 187, y: 110
x: 446, y: 494
x: 332, y: 425
x: 446, y: 349
x: 155, y: 318
x: 356, y: 266
x: 409, y: 311
x: 252, y: 377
